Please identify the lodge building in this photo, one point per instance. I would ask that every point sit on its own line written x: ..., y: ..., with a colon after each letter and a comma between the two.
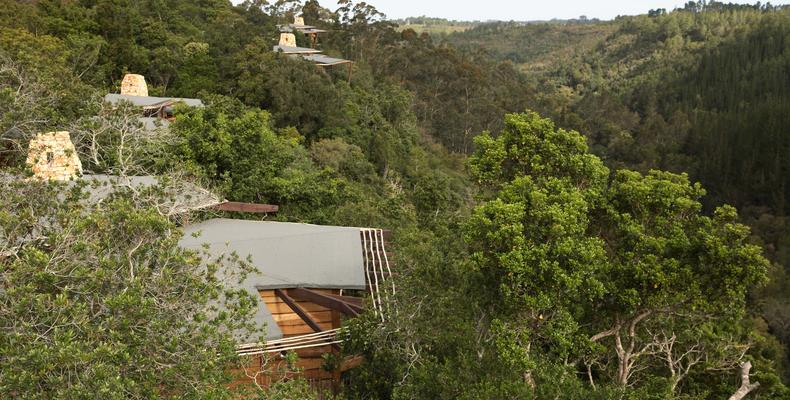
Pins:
x: 308, y: 279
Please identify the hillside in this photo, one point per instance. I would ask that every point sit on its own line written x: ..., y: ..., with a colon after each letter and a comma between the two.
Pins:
x: 434, y: 26
x: 701, y: 89
x: 535, y: 47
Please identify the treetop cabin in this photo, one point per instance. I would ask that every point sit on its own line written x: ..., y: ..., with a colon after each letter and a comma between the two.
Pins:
x: 287, y: 45
x: 309, y: 279
x: 156, y: 111
x: 309, y: 31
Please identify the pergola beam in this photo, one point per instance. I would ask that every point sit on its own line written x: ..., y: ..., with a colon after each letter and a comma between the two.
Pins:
x: 331, y: 302
x: 247, y: 207
x: 355, y: 302
x: 302, y: 314
x: 298, y: 310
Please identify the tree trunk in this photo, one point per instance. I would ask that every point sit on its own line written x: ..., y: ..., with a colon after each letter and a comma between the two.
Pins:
x: 746, y: 387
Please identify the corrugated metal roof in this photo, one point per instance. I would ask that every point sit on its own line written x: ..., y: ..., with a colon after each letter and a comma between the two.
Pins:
x: 287, y: 255
x: 148, y: 101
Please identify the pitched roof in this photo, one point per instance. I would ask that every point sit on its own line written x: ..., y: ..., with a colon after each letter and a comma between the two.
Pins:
x: 149, y: 101
x: 287, y: 255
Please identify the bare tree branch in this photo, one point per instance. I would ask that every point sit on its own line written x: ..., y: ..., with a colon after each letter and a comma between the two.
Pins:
x: 746, y: 386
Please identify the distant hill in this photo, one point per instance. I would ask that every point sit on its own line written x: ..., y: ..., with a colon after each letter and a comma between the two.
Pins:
x: 704, y: 89
x: 443, y: 26
x: 534, y: 45
x: 434, y: 25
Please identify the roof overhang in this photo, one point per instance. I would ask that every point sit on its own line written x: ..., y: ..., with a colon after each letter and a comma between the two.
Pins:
x: 295, y: 50
x: 324, y: 61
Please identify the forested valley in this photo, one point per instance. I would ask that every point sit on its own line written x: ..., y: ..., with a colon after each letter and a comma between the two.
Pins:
x: 579, y: 209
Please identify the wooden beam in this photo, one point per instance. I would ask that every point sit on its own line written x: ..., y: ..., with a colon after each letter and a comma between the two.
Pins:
x: 350, y: 362
x: 325, y: 300
x: 247, y: 207
x: 352, y: 301
x: 298, y: 310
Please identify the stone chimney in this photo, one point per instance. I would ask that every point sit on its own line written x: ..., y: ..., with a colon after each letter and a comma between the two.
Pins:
x: 287, y: 39
x: 134, y: 85
x: 298, y: 21
x: 52, y: 156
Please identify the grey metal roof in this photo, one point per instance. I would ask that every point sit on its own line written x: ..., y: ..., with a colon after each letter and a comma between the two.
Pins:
x: 295, y: 50
x: 295, y: 26
x: 321, y: 59
x: 153, y: 123
x: 300, y: 28
x: 286, y: 255
x: 180, y: 196
x: 148, y: 101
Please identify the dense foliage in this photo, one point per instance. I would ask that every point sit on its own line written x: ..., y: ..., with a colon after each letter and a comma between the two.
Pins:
x: 535, y: 47
x: 579, y: 257
x: 702, y: 90
x: 99, y: 301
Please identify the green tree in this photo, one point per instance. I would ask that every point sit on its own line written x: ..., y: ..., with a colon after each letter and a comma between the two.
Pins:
x: 240, y: 152
x: 99, y: 301
x: 593, y: 268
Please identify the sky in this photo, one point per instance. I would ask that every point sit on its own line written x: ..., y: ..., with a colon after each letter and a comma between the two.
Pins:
x: 520, y: 10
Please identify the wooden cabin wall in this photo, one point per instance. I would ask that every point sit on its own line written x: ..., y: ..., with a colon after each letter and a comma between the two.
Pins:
x: 271, y: 367
x: 290, y: 323
x: 310, y: 360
